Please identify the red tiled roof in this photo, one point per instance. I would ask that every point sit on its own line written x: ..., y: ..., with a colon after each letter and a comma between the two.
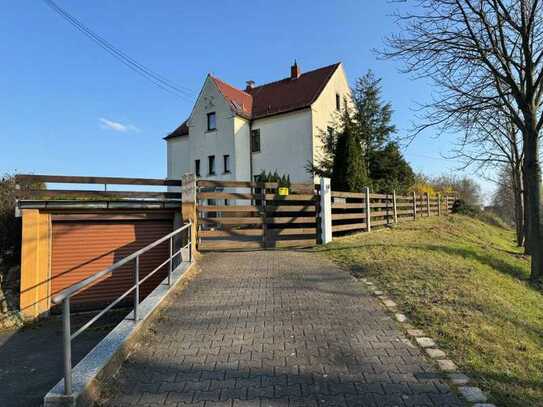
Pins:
x: 240, y: 101
x: 290, y: 94
x: 283, y: 96
x: 182, y: 130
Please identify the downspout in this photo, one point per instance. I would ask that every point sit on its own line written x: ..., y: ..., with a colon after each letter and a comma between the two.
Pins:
x: 250, y: 151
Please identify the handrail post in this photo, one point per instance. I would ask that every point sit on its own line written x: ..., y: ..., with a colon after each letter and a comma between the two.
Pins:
x: 67, y: 341
x: 190, y: 242
x: 171, y: 262
x: 137, y: 292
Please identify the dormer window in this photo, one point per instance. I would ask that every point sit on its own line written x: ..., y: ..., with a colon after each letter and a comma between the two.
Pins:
x: 211, y: 121
x: 338, y: 102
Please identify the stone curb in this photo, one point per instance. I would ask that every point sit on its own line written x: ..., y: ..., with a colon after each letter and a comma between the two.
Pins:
x: 458, y: 380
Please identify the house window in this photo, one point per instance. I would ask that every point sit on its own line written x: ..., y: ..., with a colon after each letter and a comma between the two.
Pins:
x: 197, y: 167
x: 226, y: 164
x: 211, y: 121
x: 338, y: 102
x: 211, y: 162
x: 255, y: 141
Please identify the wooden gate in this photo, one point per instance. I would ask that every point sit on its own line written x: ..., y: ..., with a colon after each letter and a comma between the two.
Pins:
x: 246, y: 215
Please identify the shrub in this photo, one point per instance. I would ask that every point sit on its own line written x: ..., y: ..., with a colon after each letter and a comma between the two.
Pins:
x: 461, y: 207
x: 10, y: 226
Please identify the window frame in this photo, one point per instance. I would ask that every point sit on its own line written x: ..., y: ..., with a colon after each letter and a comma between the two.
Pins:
x: 255, y: 132
x: 211, y: 165
x: 209, y: 116
x: 197, y: 167
x: 338, y: 102
x: 226, y: 163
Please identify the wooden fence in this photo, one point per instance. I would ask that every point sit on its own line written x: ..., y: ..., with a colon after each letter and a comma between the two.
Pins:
x: 246, y: 215
x: 350, y: 209
x: 34, y: 187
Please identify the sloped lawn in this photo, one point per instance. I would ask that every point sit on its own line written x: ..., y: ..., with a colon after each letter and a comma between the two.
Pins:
x: 466, y: 284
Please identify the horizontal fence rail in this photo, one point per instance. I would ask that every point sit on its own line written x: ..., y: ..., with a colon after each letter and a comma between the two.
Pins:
x: 362, y: 211
x: 34, y: 186
x: 65, y: 295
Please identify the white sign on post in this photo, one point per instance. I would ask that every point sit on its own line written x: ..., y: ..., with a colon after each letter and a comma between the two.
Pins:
x: 326, y: 211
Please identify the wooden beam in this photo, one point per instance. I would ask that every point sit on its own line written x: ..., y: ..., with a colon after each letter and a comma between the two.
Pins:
x: 292, y: 231
x: 231, y: 233
x: 352, y: 226
x: 67, y: 179
x: 291, y: 219
x: 358, y: 195
x: 228, y: 208
x: 59, y: 193
x: 225, y: 195
x: 345, y: 216
x: 231, y: 221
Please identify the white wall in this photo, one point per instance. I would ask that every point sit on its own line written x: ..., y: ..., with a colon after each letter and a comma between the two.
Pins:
x: 201, y: 143
x: 178, y: 154
x: 242, y: 147
x: 204, y: 143
x: 288, y: 141
x: 324, y: 108
x: 285, y: 145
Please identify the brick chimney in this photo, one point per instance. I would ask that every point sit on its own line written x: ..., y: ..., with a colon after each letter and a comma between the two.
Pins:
x: 250, y: 85
x: 294, y: 71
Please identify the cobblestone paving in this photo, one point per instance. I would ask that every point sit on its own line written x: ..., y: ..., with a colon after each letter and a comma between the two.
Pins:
x: 275, y: 328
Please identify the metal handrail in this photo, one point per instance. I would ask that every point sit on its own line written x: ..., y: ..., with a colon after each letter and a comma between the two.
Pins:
x: 65, y: 295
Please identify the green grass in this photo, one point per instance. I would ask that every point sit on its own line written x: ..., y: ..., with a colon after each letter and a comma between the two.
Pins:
x: 466, y: 284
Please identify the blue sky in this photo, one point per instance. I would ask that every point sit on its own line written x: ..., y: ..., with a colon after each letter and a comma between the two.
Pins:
x: 70, y: 108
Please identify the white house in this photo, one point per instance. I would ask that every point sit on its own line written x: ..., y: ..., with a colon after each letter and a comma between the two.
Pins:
x: 234, y: 134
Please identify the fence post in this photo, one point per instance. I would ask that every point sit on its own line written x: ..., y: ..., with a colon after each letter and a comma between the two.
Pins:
x: 414, y: 205
x: 394, y: 208
x: 428, y: 203
x: 368, y: 210
x: 188, y: 206
x: 326, y: 211
x: 438, y: 204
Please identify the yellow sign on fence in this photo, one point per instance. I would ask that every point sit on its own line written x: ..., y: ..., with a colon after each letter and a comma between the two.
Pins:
x: 282, y: 191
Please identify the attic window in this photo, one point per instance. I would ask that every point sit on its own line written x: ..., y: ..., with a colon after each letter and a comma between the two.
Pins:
x: 338, y: 102
x: 211, y: 121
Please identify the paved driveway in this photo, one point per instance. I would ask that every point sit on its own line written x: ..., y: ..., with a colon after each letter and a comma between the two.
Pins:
x: 275, y: 328
x: 31, y: 357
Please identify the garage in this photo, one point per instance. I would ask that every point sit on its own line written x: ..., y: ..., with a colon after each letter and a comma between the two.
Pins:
x: 85, y: 244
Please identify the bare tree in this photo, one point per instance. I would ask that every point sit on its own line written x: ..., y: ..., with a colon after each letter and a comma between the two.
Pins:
x: 481, y: 53
x: 491, y: 141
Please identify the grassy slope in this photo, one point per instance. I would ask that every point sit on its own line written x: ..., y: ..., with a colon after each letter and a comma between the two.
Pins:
x: 465, y: 283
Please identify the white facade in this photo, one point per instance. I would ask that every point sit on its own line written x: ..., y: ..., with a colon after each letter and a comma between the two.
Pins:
x: 289, y: 141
